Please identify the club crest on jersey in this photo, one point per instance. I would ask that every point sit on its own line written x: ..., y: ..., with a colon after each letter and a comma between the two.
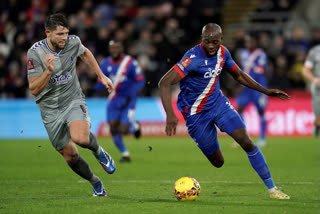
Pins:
x: 60, y: 79
x: 212, y: 73
x: 185, y: 62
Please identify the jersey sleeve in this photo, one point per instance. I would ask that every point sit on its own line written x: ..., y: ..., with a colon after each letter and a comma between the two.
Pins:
x: 135, y: 72
x: 229, y: 62
x: 262, y: 60
x: 185, y: 65
x: 34, y: 66
x: 104, y: 67
x: 309, y: 62
x: 77, y: 44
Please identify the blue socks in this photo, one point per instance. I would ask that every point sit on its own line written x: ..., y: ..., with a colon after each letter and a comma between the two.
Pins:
x: 263, y: 124
x: 117, y: 139
x: 259, y: 164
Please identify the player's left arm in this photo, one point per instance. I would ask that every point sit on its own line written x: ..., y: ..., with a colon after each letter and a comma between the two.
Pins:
x: 88, y: 58
x: 244, y: 79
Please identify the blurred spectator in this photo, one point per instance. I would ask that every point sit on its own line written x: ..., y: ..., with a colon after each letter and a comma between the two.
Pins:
x: 155, y: 32
x: 295, y: 73
x: 297, y: 43
x: 315, y: 37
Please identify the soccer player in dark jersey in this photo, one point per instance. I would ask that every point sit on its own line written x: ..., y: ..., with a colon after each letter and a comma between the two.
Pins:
x: 128, y: 78
x: 204, y: 106
x: 55, y: 86
x: 253, y: 61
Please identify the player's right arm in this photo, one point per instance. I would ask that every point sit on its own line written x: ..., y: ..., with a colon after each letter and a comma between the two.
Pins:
x: 169, y: 79
x: 38, y: 83
x: 307, y: 70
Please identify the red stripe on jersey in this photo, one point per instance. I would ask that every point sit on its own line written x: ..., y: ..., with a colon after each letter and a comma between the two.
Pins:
x: 259, y: 69
x: 233, y: 68
x: 125, y: 70
x: 178, y: 70
x: 205, y: 99
x: 140, y: 77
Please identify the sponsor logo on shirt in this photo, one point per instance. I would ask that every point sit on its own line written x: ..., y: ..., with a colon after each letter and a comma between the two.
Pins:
x: 212, y: 73
x: 60, y: 79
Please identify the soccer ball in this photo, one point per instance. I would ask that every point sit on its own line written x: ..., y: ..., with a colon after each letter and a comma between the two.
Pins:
x: 186, y: 189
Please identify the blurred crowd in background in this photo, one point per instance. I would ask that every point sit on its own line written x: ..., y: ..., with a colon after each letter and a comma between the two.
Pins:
x: 156, y: 32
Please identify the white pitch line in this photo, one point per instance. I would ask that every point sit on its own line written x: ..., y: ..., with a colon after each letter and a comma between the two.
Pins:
x: 210, y: 182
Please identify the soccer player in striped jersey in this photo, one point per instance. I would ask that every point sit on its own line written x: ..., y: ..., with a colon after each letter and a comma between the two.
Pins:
x: 128, y: 79
x: 253, y: 61
x: 204, y: 106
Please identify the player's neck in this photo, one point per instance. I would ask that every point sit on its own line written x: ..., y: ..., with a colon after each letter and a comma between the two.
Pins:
x: 117, y: 59
x: 53, y: 48
x: 252, y: 50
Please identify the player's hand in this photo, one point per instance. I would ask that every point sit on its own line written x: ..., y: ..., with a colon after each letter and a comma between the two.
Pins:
x: 107, y: 83
x: 278, y: 93
x: 316, y: 81
x: 171, y: 125
x: 48, y: 61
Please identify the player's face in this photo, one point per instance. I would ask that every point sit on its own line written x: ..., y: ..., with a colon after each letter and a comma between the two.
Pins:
x: 211, y: 42
x: 250, y: 43
x: 115, y: 50
x: 58, y: 37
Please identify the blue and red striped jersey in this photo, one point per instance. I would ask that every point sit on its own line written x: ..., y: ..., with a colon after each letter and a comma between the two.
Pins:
x: 126, y: 75
x: 200, y: 87
x: 254, y: 63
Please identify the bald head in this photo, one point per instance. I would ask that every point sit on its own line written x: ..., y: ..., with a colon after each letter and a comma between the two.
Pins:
x: 211, y: 38
x: 211, y: 29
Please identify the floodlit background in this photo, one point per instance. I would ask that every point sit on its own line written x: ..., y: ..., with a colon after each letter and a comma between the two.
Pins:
x: 35, y: 179
x: 157, y: 33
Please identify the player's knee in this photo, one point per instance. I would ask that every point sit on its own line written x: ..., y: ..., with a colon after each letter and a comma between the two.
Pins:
x: 216, y: 160
x: 124, y: 130
x: 71, y: 158
x: 81, y: 140
x: 217, y: 163
x: 246, y: 143
x: 114, y: 129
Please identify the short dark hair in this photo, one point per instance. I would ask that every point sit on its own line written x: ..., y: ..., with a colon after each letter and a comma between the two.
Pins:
x: 54, y: 20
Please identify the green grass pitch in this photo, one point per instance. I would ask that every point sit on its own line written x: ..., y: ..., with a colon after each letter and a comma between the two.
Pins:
x: 35, y: 179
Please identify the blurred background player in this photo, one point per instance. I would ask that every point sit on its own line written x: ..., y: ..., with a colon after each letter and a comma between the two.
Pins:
x: 204, y: 106
x: 128, y: 80
x: 311, y: 72
x: 54, y: 83
x: 253, y: 61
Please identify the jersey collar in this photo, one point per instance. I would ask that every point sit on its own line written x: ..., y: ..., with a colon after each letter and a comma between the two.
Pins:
x: 51, y: 51
x: 206, y: 52
x: 118, y: 61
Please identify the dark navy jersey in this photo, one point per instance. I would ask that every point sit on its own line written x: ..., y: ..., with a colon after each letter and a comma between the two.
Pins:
x: 126, y: 75
x: 200, y: 87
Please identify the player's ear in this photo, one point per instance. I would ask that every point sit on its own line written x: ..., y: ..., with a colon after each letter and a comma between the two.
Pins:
x: 47, y: 32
